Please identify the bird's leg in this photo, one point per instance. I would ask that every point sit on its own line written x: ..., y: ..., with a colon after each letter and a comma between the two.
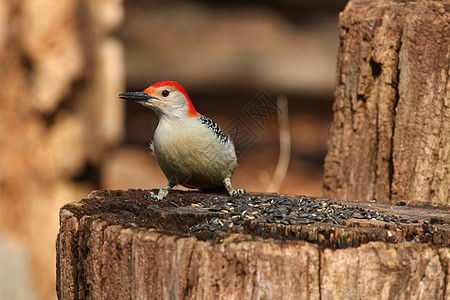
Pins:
x: 231, y: 191
x: 163, y: 192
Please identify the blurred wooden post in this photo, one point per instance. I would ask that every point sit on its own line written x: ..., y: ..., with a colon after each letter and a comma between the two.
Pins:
x: 61, y: 69
x: 390, y: 138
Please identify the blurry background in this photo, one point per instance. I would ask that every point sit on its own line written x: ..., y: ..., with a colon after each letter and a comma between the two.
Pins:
x: 64, y: 132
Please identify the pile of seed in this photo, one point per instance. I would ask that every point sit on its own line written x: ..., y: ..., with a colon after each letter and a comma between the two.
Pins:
x: 287, y: 211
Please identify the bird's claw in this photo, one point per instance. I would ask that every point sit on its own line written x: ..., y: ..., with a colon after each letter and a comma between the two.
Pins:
x: 160, y: 196
x: 237, y: 193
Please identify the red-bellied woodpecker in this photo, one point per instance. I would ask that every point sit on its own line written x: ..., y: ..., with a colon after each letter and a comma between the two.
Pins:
x: 191, y: 149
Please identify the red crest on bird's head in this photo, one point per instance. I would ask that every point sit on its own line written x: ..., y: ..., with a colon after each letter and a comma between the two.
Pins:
x: 177, y: 86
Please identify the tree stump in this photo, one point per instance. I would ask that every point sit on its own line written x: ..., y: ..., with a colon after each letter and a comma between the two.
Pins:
x: 390, y: 139
x: 121, y: 245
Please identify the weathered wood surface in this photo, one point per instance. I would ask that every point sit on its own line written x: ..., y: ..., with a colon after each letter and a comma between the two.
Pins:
x: 390, y: 136
x: 120, y: 245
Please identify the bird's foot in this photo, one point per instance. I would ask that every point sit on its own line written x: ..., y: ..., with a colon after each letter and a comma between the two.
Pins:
x: 233, y: 193
x: 162, y: 192
x: 160, y: 196
x: 237, y: 193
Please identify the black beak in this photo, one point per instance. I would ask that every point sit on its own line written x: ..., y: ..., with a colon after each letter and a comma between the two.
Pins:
x: 136, y: 96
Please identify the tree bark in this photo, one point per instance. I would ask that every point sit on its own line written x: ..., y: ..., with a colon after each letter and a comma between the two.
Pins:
x: 120, y: 245
x: 390, y: 139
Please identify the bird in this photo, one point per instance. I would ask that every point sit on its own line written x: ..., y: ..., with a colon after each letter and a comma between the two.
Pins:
x: 190, y: 148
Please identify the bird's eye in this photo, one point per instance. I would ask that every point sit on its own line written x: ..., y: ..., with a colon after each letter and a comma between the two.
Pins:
x: 165, y: 93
